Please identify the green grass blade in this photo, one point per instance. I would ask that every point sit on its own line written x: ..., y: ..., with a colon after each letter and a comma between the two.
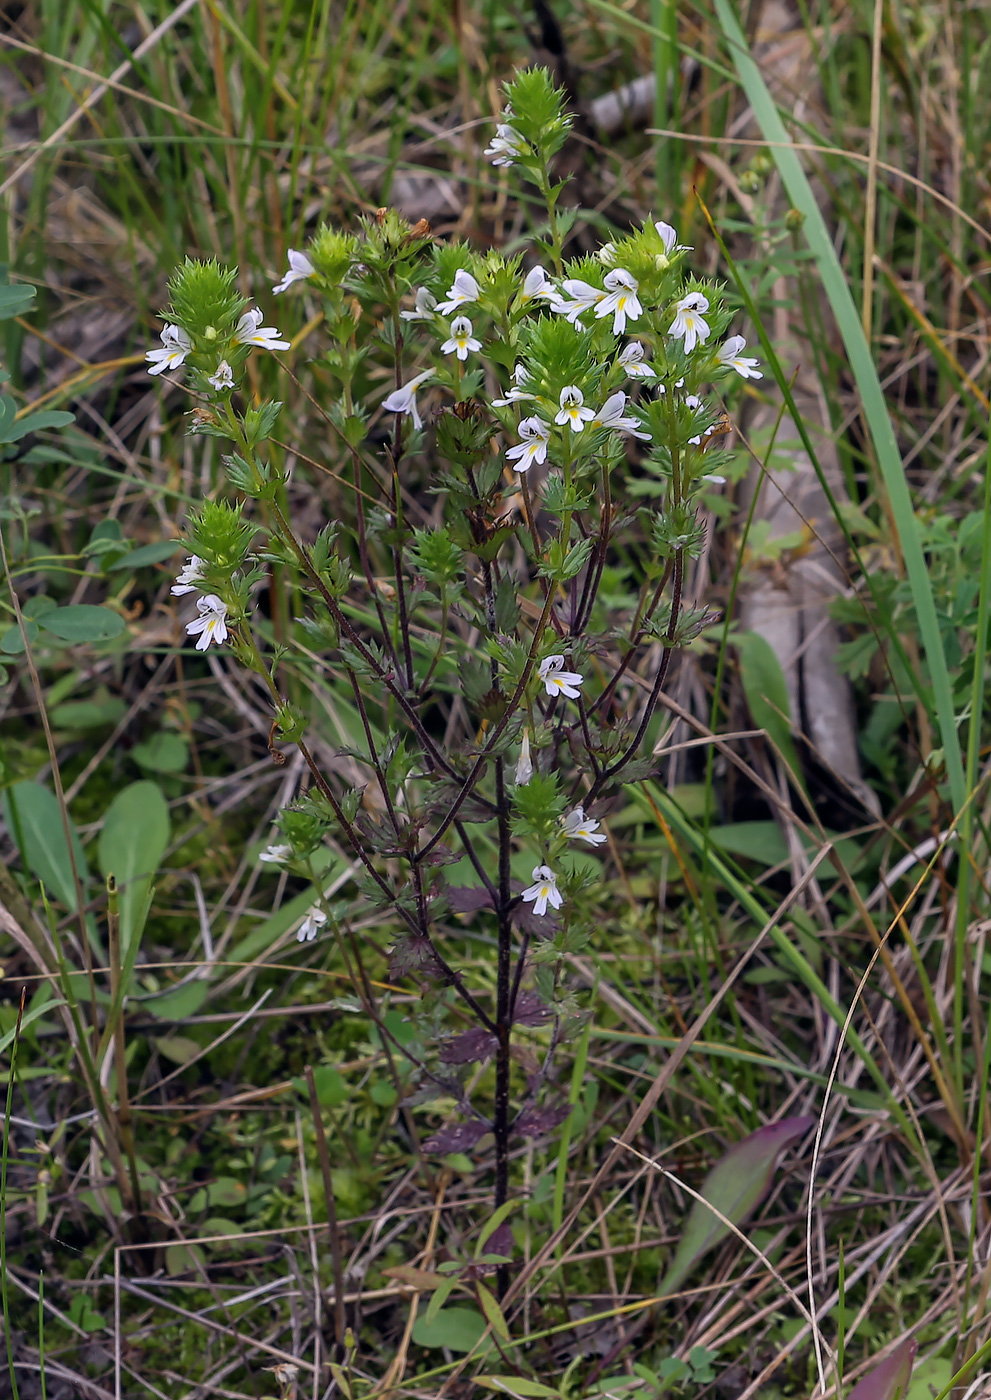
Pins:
x: 875, y: 410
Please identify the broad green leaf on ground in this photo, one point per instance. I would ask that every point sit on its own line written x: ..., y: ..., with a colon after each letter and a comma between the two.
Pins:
x: 83, y: 622
x: 135, y: 833
x: 458, y: 1329
x: 766, y: 690
x: 34, y: 819
x: 889, y: 1381
x: 735, y: 1187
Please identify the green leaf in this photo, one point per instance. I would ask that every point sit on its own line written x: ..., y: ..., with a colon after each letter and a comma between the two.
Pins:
x: 87, y: 714
x: 766, y: 690
x: 12, y: 642
x: 136, y: 831
x: 178, y: 1003
x: 164, y: 752
x: 12, y: 430
x: 330, y: 1085
x: 83, y: 622
x: 34, y: 818
x: 226, y: 1191
x: 183, y: 1259
x: 493, y: 1312
x: 177, y: 1048
x: 493, y: 1223
x: 146, y: 554
x: 15, y: 299
x: 735, y: 1187
x: 520, y: 1385
x: 458, y: 1329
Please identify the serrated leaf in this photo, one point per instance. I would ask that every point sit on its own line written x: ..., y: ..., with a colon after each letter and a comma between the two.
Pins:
x: 735, y: 1187
x: 34, y: 819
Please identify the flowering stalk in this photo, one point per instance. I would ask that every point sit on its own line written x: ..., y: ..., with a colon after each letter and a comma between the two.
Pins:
x: 460, y: 590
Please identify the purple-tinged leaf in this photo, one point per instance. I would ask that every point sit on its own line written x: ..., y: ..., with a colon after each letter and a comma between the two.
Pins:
x: 536, y: 925
x: 411, y: 954
x: 735, y: 1187
x: 889, y: 1381
x: 469, y: 1048
x: 468, y: 899
x: 530, y: 1010
x: 501, y: 1241
x: 534, y: 1122
x: 456, y: 1137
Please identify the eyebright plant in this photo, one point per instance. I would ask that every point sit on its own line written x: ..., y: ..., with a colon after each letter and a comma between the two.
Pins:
x: 526, y: 440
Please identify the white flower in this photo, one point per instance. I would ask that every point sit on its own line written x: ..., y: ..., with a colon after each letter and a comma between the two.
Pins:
x: 693, y: 401
x: 188, y: 577
x: 275, y: 855
x: 573, y: 412
x: 314, y: 921
x: 557, y: 681
x: 461, y: 340
x: 537, y: 284
x: 610, y: 415
x: 622, y: 302
x: 632, y: 359
x: 424, y: 305
x: 300, y: 268
x: 578, y: 827
x: 464, y: 288
x: 607, y: 254
x: 669, y: 238
x: 544, y: 890
x: 533, y: 448
x: 250, y: 331
x: 223, y: 377
x: 729, y: 354
x: 524, y: 764
x: 507, y: 145
x: 404, y: 400
x: 583, y: 296
x: 520, y: 376
x: 211, y: 625
x: 688, y: 321
x: 176, y: 345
